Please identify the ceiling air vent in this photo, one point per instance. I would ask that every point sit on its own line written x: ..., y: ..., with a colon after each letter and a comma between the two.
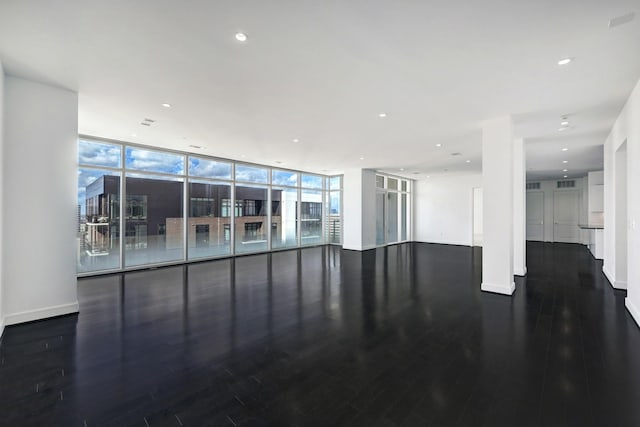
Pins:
x: 533, y: 185
x: 567, y: 184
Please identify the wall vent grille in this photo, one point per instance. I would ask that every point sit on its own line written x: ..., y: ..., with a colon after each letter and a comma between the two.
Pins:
x: 533, y: 185
x: 567, y: 184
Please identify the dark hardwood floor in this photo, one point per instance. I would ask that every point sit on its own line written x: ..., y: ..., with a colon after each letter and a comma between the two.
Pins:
x: 401, y: 336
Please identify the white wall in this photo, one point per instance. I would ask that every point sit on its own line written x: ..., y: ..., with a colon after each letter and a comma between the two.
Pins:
x: 443, y: 209
x: 1, y: 194
x: 39, y: 200
x: 626, y: 128
x: 548, y: 188
x: 359, y: 209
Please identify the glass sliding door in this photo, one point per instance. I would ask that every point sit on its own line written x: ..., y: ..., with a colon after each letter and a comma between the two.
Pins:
x: 392, y: 217
x: 284, y: 213
x: 380, y: 218
x: 98, y: 240
x: 251, y: 219
x: 154, y: 219
x: 208, y: 227
x: 311, y: 217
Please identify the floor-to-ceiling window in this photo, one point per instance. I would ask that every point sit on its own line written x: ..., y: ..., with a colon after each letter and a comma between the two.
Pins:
x: 393, y: 213
x: 178, y: 207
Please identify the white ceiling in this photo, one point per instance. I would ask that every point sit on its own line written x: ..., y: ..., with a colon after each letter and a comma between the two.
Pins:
x: 322, y: 71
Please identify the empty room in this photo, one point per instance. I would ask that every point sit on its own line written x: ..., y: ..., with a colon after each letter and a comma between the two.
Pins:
x: 335, y: 213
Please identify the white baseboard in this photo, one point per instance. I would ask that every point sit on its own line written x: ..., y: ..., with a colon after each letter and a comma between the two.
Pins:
x: 521, y: 273
x: 619, y: 284
x: 631, y: 307
x: 41, y: 313
x: 608, y: 275
x: 498, y: 289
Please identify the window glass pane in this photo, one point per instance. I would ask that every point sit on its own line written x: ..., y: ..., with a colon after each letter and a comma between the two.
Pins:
x: 404, y: 185
x: 251, y: 174
x: 311, y: 217
x: 379, y: 181
x: 209, y: 232
x: 154, y: 161
x: 403, y: 216
x: 311, y: 181
x: 335, y: 183
x: 153, y: 220
x: 99, y: 153
x: 333, y: 224
x: 251, y: 219
x: 392, y: 183
x: 209, y: 168
x: 98, y: 239
x: 392, y: 217
x: 279, y: 177
x: 284, y: 227
x: 380, y: 219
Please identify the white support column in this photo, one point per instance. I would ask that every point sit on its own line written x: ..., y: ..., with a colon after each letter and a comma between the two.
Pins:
x: 497, y: 181
x: 359, y: 209
x: 40, y: 201
x: 519, y: 209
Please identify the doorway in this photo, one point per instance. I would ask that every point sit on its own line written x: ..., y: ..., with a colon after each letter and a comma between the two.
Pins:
x: 566, y: 216
x: 477, y: 217
x: 535, y: 216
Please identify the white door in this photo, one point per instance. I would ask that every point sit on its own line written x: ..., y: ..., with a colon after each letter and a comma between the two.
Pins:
x: 566, y: 215
x: 535, y: 215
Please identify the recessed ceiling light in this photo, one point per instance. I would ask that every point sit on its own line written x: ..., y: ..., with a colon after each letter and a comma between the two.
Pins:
x: 428, y: 176
x: 241, y: 37
x: 296, y: 140
x: 565, y: 61
x: 565, y: 149
x: 438, y: 145
x: 562, y: 129
x: 468, y: 161
x: 133, y: 135
x: 565, y: 170
x: 565, y: 161
x: 383, y: 115
x: 566, y: 176
x: 361, y: 158
x: 564, y: 123
x: 401, y: 169
x: 165, y: 105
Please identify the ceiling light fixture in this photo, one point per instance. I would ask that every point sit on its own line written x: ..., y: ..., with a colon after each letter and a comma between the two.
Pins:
x: 468, y: 161
x: 241, y: 37
x: 296, y: 140
x: 133, y: 135
x: 382, y: 115
x: 361, y: 158
x: 565, y: 161
x: 562, y: 129
x: 566, y: 176
x: 565, y: 61
x: 565, y: 149
x: 401, y: 169
x: 165, y: 105
x: 564, y: 123
x: 438, y: 145
x: 565, y: 170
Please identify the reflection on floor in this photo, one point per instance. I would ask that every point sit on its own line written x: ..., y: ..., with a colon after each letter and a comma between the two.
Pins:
x: 320, y: 336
